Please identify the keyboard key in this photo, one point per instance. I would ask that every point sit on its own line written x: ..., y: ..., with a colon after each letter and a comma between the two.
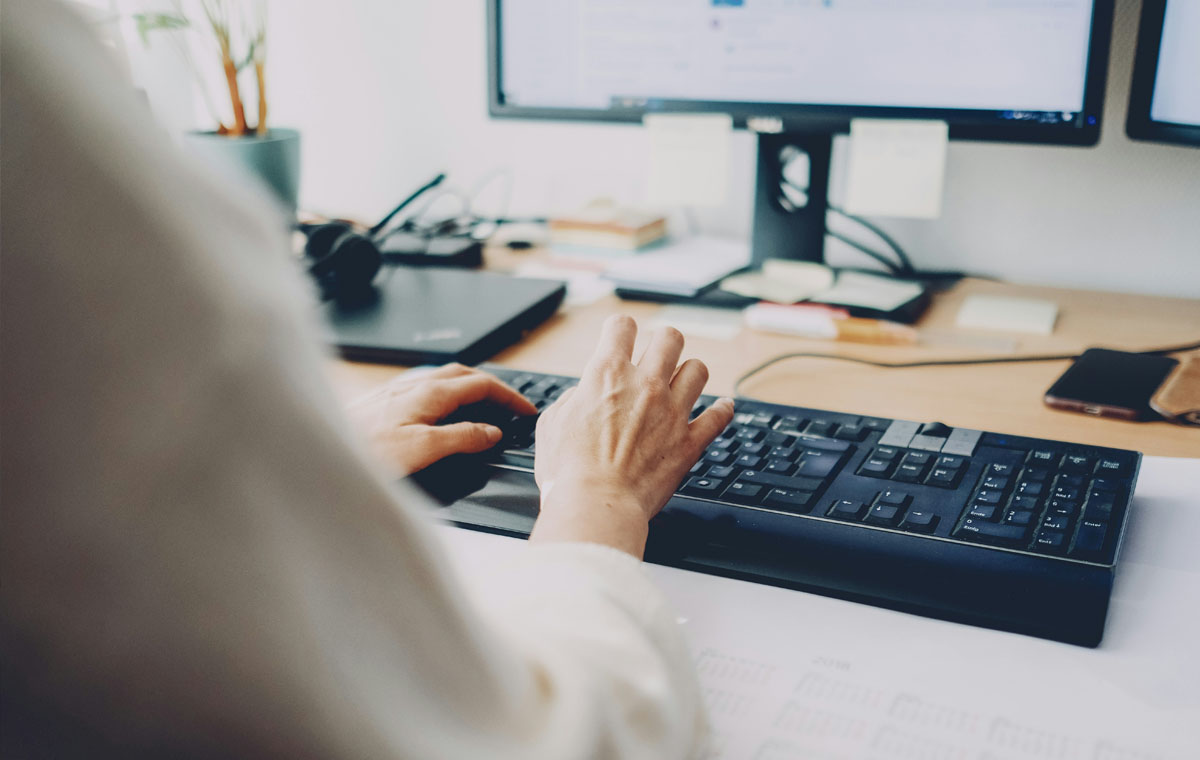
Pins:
x: 790, y: 423
x: 818, y: 464
x: 721, y: 471
x: 1111, y: 467
x: 884, y: 514
x: 523, y: 382
x: 754, y: 448
x: 943, y: 478
x: 784, y: 452
x: 725, y: 444
x: 847, y: 510
x: 1089, y: 541
x: 543, y: 387
x: 989, y: 496
x: 1029, y: 488
x: 885, y: 452
x: 750, y: 435
x: 851, y: 433
x: 1056, y: 522
x: 743, y: 493
x: 1052, y: 541
x: 1000, y: 468
x: 909, y: 473
x: 781, y: 481
x: 982, y: 530
x: 950, y: 461
x: 824, y: 428
x: 1070, y: 481
x: 1019, y: 517
x: 1025, y: 502
x: 997, y: 482
x: 789, y: 499
x: 1099, y: 507
x: 698, y: 467
x: 708, y: 487
x: 716, y: 456
x: 893, y: 498
x: 777, y: 439
x: 983, y: 512
x: 822, y: 444
x: 1062, y: 507
x: 1108, y: 484
x: 1069, y: 494
x: 1046, y: 457
x: 1036, y: 474
x: 920, y: 520
x: 779, y: 466
x: 749, y: 461
x: 918, y: 457
x: 878, y: 468
x: 764, y: 419
x: 1075, y: 463
x: 874, y: 423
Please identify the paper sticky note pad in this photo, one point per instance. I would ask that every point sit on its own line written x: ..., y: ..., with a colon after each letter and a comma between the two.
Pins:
x: 897, y: 167
x: 1026, y: 315
x: 690, y: 156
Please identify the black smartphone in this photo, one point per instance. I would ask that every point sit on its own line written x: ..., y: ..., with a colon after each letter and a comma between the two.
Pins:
x: 1111, y: 384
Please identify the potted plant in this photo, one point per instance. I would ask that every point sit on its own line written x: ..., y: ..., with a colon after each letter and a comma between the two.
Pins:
x: 229, y: 37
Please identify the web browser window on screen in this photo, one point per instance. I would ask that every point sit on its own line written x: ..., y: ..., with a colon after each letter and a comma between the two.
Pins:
x: 969, y: 54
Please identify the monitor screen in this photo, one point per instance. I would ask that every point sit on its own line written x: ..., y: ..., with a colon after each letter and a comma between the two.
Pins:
x: 992, y: 68
x: 1165, y: 100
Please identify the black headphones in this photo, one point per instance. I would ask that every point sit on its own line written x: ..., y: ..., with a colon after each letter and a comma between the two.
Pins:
x: 343, y: 262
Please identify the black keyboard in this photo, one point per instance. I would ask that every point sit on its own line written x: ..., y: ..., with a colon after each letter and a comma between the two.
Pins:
x: 1019, y: 534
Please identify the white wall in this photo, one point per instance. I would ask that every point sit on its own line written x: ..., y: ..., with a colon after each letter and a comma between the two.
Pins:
x: 389, y: 93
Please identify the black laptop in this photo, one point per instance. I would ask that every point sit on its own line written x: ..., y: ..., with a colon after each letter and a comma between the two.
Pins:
x: 431, y: 316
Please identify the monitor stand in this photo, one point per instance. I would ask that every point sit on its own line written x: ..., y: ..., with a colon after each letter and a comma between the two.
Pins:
x: 780, y: 232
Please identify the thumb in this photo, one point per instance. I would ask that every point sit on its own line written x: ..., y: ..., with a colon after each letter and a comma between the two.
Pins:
x: 461, y: 438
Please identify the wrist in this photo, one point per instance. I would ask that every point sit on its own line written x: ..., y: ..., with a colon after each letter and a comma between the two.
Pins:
x: 592, y: 511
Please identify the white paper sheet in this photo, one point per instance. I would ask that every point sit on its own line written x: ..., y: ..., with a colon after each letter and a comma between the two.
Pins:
x: 680, y: 266
x: 793, y: 675
x: 897, y: 167
x: 689, y: 158
x: 699, y: 321
x: 868, y: 291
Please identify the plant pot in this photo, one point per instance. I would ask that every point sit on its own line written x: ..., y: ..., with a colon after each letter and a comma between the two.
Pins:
x: 273, y: 159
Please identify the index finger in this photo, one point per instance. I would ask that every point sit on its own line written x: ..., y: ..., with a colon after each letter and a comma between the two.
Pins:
x: 616, y: 341
x: 476, y: 387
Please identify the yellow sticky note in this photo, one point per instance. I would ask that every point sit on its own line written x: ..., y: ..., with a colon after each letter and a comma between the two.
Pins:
x: 689, y: 158
x: 897, y: 167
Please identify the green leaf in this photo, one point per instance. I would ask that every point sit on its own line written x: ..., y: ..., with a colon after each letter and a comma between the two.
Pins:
x: 149, y: 22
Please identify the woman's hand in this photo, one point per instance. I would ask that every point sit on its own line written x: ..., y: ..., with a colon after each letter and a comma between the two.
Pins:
x: 399, y: 420
x: 613, y: 449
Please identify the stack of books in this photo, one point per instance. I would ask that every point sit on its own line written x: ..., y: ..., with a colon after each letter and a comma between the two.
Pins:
x: 607, y: 229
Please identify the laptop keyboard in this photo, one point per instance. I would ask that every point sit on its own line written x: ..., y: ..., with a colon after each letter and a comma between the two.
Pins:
x: 905, y: 496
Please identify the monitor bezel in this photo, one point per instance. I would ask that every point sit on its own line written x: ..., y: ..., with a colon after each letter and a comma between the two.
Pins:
x: 1139, y: 125
x: 815, y: 119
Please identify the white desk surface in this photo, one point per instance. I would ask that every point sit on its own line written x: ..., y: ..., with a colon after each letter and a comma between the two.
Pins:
x: 790, y: 675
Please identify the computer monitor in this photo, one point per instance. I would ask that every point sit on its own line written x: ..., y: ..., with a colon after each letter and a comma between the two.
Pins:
x: 1164, y: 102
x: 798, y: 71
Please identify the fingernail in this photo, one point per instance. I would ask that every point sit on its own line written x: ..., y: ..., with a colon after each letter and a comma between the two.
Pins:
x: 725, y: 400
x: 493, y: 434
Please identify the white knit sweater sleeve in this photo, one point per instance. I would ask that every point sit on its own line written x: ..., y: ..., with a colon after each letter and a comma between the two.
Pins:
x: 197, y: 560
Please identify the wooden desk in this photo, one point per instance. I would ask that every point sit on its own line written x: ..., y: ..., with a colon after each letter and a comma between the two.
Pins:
x: 1001, y: 398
